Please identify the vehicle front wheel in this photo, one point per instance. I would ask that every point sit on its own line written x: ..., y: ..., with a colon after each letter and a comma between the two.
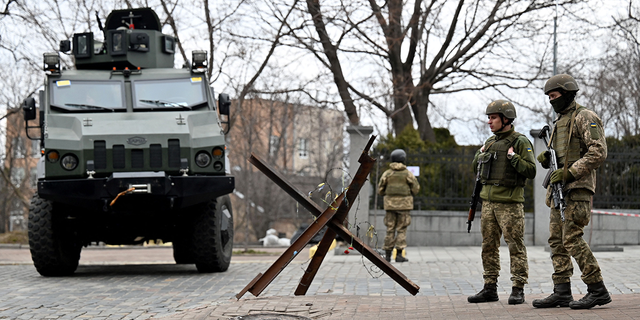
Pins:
x: 54, y: 248
x: 213, y: 236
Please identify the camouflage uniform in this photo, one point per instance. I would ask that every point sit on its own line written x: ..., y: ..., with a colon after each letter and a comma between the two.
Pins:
x: 398, y: 186
x: 583, y: 154
x: 502, y: 204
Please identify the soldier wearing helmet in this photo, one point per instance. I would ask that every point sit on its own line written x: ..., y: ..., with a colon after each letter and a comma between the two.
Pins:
x: 580, y: 145
x: 398, y: 186
x: 506, y: 161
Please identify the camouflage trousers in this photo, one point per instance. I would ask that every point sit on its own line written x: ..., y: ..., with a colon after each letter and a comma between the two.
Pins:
x: 566, y: 241
x: 397, y: 222
x: 506, y: 219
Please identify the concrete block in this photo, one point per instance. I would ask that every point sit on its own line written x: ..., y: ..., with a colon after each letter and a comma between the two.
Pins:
x: 598, y: 237
x: 630, y: 237
x: 608, y: 222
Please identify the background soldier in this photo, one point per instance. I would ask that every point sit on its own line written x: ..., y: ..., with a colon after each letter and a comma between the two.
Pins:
x: 507, y: 161
x: 398, y: 186
x: 580, y: 145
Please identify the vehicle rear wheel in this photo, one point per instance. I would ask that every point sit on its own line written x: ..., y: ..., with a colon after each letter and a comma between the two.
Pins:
x: 54, y: 248
x: 213, y: 236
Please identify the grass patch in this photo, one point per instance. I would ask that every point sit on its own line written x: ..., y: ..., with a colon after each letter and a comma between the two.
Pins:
x: 15, y: 237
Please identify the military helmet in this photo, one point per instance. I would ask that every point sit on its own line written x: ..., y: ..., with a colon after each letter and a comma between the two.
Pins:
x: 503, y: 107
x: 398, y: 155
x: 561, y: 81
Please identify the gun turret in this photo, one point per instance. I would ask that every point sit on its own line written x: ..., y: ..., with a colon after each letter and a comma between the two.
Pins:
x: 133, y: 39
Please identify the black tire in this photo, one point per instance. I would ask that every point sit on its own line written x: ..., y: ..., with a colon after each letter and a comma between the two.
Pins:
x: 213, y: 236
x: 54, y: 248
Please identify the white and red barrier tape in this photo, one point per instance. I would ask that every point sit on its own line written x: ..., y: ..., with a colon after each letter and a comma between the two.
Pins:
x: 617, y: 213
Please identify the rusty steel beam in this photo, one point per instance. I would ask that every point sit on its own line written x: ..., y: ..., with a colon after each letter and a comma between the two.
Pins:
x: 263, y: 280
x: 335, y: 223
x: 366, y: 164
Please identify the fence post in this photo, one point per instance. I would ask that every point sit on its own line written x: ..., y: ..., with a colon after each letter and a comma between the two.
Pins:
x: 540, y: 209
x: 359, y: 136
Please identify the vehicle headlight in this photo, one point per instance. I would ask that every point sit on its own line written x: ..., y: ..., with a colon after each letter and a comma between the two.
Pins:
x: 217, y: 152
x: 203, y: 159
x: 218, y: 166
x: 53, y: 156
x: 69, y: 162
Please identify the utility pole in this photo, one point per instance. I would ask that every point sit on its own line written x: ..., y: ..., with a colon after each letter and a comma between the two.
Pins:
x: 555, y: 41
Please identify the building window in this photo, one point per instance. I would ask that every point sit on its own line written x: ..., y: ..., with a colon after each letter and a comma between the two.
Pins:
x: 18, y: 148
x: 17, y: 176
x: 303, y: 148
x: 274, y: 145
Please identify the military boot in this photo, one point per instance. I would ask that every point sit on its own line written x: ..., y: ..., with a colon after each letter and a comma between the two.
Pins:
x: 387, y: 255
x: 487, y: 294
x: 561, y: 296
x: 400, y: 258
x: 597, y: 295
x: 517, y: 296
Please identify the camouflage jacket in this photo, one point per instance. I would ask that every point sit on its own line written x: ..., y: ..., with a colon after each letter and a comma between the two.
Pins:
x: 398, y: 186
x: 592, y: 148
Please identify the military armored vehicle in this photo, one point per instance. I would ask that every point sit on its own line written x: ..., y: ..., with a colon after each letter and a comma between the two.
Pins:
x: 132, y: 150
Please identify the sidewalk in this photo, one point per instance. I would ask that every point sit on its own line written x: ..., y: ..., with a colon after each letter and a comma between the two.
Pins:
x: 419, y: 307
x: 145, y: 283
x: 447, y: 275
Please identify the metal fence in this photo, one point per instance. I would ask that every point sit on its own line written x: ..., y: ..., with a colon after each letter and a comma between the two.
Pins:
x: 618, y: 181
x: 446, y: 180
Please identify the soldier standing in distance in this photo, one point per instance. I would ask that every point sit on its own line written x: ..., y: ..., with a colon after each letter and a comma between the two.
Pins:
x: 580, y: 145
x: 507, y: 161
x: 398, y: 186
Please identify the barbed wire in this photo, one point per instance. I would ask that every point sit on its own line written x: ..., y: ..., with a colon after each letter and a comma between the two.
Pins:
x: 371, y: 234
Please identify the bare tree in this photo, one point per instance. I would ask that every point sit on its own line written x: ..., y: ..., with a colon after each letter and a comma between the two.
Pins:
x: 423, y: 48
x: 613, y: 90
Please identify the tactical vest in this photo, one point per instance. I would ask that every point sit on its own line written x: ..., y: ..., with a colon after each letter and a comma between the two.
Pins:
x: 397, y: 185
x: 575, y: 148
x: 501, y: 171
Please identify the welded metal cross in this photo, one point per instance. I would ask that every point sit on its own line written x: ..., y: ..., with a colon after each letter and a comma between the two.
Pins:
x: 333, y: 217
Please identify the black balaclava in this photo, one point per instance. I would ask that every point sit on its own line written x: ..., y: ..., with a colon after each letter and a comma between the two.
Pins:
x: 563, y: 102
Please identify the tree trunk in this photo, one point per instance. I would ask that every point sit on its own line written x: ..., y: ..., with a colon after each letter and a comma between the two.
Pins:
x: 420, y: 105
x: 332, y: 55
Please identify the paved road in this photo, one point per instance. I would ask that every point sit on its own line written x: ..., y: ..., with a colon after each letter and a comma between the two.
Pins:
x: 143, y: 283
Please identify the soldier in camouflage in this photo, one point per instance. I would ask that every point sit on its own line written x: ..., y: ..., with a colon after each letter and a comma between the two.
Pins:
x: 580, y: 145
x: 506, y: 161
x: 398, y: 186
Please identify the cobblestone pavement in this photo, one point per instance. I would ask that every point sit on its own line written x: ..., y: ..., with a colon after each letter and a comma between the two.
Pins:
x: 143, y: 283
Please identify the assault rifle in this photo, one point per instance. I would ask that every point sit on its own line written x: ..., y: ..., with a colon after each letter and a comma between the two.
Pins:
x: 475, y: 197
x: 556, y: 192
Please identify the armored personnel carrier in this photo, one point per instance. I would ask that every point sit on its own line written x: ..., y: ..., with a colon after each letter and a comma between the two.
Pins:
x: 132, y: 150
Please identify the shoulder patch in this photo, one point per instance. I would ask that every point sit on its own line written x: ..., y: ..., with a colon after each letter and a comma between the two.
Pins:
x: 529, y: 150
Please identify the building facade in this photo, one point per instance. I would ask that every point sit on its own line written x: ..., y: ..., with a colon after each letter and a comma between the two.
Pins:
x: 303, y: 143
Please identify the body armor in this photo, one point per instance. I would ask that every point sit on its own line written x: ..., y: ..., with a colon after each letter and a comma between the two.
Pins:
x: 397, y: 185
x: 500, y: 171
x: 572, y: 149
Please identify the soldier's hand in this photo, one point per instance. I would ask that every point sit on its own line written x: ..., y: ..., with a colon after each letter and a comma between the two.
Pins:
x: 556, y: 176
x: 543, y: 158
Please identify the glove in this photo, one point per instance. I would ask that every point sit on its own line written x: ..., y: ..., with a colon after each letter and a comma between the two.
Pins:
x: 556, y: 176
x: 543, y: 158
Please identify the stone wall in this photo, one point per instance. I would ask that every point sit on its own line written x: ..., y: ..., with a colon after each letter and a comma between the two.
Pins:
x: 449, y: 228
